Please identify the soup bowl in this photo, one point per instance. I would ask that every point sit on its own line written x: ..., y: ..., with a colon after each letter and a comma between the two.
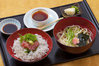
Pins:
x: 82, y: 22
x: 15, y: 35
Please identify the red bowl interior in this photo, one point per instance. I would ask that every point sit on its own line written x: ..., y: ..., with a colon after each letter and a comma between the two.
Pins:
x: 15, y: 35
x: 82, y: 22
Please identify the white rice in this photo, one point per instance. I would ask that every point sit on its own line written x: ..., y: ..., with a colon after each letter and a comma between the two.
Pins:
x: 32, y: 56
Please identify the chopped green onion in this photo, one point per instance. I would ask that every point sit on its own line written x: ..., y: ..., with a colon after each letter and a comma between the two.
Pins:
x: 28, y: 38
x: 27, y: 50
x: 76, y: 9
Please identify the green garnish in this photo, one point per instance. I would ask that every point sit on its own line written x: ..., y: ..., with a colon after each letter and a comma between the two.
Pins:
x: 70, y: 35
x: 28, y: 38
x: 76, y: 9
x: 27, y: 50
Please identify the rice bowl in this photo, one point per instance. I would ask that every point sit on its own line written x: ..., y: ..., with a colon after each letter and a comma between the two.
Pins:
x: 16, y: 48
x: 32, y: 56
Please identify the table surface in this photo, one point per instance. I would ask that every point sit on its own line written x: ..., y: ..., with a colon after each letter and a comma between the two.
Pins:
x: 15, y: 7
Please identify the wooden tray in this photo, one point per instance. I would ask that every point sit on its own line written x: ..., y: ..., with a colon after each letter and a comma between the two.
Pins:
x: 56, y: 55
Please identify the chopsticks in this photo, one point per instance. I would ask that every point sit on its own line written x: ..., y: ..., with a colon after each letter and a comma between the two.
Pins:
x: 42, y: 27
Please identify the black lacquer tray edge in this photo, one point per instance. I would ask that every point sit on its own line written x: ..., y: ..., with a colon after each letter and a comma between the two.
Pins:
x: 91, y: 13
x: 4, y: 57
x: 5, y: 61
x: 78, y: 58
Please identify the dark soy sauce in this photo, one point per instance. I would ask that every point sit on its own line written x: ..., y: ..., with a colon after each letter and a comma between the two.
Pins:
x: 9, y: 28
x: 40, y: 16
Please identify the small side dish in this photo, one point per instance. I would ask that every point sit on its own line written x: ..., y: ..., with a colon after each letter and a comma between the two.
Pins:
x: 30, y: 23
x: 9, y: 26
x: 30, y: 47
x: 71, y: 10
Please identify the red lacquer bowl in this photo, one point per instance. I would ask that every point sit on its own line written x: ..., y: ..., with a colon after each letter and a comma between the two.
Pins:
x: 15, y: 35
x: 84, y: 23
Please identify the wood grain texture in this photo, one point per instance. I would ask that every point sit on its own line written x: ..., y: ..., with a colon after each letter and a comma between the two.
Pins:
x: 15, y: 7
x: 89, y: 61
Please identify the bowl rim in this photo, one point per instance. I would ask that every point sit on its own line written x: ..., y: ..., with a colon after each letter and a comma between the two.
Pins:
x: 65, y: 27
x: 40, y: 9
x: 30, y: 61
x: 40, y: 23
x: 6, y: 20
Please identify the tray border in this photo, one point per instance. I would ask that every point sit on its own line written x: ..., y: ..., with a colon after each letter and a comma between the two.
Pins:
x: 91, y: 13
x: 5, y: 61
x: 3, y: 55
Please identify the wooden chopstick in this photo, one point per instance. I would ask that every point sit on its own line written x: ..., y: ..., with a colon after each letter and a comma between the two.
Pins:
x: 42, y: 27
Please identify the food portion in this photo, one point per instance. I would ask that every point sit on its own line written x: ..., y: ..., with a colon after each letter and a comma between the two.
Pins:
x: 40, y: 16
x: 8, y: 28
x: 30, y: 47
x: 74, y: 36
x: 71, y: 11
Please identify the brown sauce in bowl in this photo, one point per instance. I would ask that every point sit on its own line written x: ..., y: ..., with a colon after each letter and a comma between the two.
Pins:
x: 9, y: 28
x: 40, y: 16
